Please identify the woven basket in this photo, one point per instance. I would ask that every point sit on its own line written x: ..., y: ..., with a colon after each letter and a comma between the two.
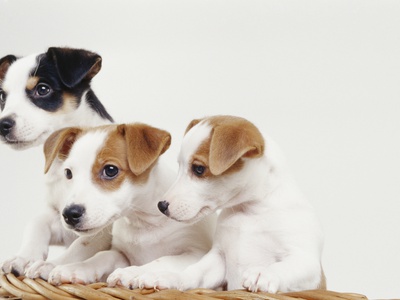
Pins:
x: 38, y: 289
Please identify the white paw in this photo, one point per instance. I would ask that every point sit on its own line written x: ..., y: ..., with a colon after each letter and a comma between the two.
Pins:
x: 72, y: 273
x: 160, y: 280
x: 137, y: 277
x: 40, y: 269
x: 125, y: 277
x: 259, y: 279
x: 15, y: 265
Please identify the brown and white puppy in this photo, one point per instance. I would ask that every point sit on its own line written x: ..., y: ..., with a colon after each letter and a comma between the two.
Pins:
x: 268, y: 237
x: 112, y: 174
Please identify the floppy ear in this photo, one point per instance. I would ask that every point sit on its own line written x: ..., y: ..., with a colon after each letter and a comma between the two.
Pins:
x: 192, y: 124
x: 5, y: 63
x: 229, y: 143
x: 75, y: 65
x: 59, y: 143
x: 144, y: 145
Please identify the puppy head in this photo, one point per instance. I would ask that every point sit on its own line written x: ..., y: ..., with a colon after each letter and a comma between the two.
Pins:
x: 38, y: 93
x: 212, y: 166
x: 105, y: 169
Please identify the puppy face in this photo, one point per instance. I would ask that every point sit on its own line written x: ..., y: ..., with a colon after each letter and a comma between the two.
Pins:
x: 213, y: 166
x: 105, y: 169
x: 38, y: 93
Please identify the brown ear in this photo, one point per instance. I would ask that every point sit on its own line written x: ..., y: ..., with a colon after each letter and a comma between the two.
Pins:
x: 5, y: 63
x: 59, y: 144
x: 192, y: 124
x: 144, y: 145
x: 229, y: 143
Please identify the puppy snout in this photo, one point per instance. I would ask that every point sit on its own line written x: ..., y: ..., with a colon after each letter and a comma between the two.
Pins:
x: 73, y: 214
x: 163, y: 207
x: 6, y: 125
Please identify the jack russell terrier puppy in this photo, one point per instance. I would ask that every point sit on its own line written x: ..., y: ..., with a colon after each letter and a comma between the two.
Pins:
x: 38, y: 95
x: 112, y: 174
x: 42, y: 93
x: 268, y: 237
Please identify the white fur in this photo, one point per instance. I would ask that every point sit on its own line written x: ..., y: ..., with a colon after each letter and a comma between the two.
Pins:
x: 47, y: 228
x: 145, y: 242
x: 268, y: 237
x: 34, y: 125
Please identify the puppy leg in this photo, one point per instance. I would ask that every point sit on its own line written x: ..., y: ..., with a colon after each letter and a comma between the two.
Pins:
x: 94, y: 269
x: 294, y: 273
x: 208, y: 272
x: 150, y: 275
x: 39, y: 234
x: 81, y: 249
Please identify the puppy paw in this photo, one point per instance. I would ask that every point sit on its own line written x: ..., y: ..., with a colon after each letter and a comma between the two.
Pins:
x: 72, y: 273
x: 259, y: 279
x: 15, y: 265
x: 40, y: 269
x: 136, y: 277
x: 124, y: 277
x: 160, y: 280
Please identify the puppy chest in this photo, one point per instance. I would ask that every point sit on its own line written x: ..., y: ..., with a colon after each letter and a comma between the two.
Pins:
x: 142, y: 245
x: 249, y: 243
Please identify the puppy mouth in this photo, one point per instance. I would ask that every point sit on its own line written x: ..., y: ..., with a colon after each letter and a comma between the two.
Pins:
x: 200, y: 215
x: 91, y: 230
x: 23, y: 144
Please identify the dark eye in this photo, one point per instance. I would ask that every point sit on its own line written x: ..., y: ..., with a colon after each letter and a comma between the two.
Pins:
x: 198, y: 170
x: 43, y: 89
x: 2, y: 97
x: 68, y: 173
x: 110, y: 171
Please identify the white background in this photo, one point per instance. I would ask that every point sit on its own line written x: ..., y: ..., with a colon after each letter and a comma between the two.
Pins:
x: 321, y: 77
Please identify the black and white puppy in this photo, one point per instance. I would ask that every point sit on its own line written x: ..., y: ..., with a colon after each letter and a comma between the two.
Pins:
x: 42, y: 93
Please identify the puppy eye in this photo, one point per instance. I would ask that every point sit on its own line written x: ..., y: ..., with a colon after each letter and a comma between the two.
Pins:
x: 43, y: 89
x: 110, y: 171
x: 68, y: 173
x: 198, y: 170
x: 2, y: 98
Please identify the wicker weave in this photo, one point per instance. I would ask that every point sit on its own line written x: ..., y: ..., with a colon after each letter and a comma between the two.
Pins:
x: 38, y: 289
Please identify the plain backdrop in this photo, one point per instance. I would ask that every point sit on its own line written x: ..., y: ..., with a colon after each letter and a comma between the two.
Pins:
x: 321, y: 77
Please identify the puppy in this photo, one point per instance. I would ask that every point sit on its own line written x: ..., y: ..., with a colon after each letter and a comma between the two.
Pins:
x: 268, y: 237
x: 41, y: 93
x: 113, y: 174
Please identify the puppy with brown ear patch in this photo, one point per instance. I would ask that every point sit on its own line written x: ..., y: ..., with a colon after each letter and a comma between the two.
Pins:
x: 268, y: 237
x: 112, y: 175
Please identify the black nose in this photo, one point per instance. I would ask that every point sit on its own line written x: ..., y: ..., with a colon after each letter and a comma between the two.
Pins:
x: 73, y: 214
x: 6, y: 125
x: 163, y: 207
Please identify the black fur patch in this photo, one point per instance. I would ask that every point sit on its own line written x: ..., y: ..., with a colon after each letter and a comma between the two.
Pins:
x: 48, y: 75
x: 97, y: 106
x: 65, y: 71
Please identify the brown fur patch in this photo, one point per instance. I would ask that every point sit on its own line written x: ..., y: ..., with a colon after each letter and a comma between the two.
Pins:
x: 5, y: 63
x: 202, y: 158
x: 231, y: 139
x: 70, y: 103
x: 125, y: 144
x: 59, y: 144
x: 32, y: 82
x: 114, y: 152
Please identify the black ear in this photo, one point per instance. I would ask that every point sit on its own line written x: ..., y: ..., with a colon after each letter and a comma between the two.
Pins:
x: 74, y: 65
x: 5, y: 63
